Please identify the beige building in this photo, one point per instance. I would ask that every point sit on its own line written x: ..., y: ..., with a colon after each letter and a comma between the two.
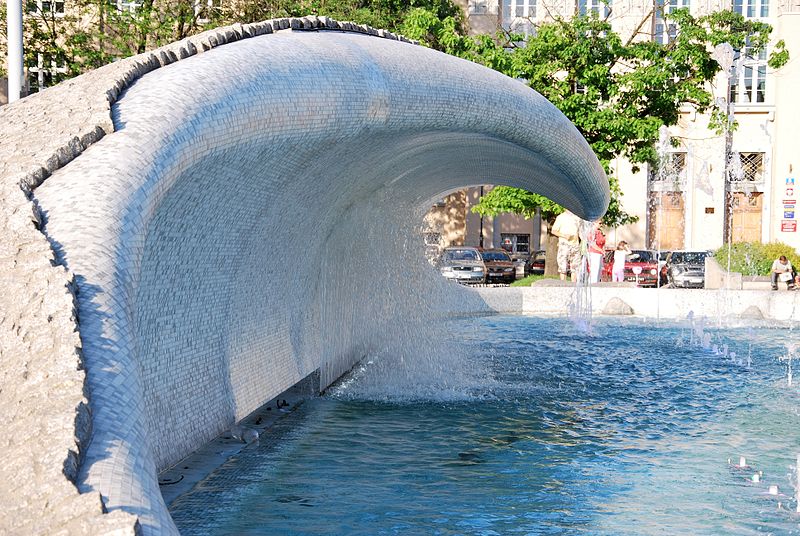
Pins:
x: 451, y: 222
x: 689, y: 203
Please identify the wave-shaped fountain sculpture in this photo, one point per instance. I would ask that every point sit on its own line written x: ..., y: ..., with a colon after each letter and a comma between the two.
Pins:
x: 253, y: 218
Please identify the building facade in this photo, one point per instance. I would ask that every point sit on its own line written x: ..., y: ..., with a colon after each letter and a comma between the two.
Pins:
x: 694, y: 199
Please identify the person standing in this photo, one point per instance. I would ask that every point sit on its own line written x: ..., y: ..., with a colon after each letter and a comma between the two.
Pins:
x: 620, y: 256
x: 782, y: 271
x: 569, y: 247
x: 596, y: 245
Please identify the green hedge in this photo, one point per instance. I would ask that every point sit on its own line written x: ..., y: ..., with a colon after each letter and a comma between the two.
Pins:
x: 755, y: 258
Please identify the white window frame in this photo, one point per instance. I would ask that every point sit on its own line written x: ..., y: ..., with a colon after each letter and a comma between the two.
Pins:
x: 753, y: 165
x: 664, y: 31
x: 131, y: 6
x: 518, y: 16
x: 585, y: 8
x: 59, y: 13
x: 478, y: 7
x: 40, y: 71
x: 748, y: 83
x: 675, y: 173
x: 751, y: 9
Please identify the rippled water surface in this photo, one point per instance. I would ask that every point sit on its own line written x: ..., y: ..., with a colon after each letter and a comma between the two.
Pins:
x: 529, y: 426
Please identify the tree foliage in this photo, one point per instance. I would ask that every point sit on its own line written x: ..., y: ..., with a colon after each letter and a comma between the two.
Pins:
x: 754, y: 258
x: 92, y: 33
x: 617, y: 92
x: 507, y: 199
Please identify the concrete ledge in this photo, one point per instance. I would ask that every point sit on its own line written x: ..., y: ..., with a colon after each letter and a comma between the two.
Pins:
x: 651, y: 303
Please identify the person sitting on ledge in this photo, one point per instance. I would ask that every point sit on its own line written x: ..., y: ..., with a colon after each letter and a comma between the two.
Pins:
x: 782, y: 271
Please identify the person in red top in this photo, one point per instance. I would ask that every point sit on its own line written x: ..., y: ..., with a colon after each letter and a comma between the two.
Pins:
x: 596, y: 243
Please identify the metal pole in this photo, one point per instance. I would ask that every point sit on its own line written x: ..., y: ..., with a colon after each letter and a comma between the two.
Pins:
x: 728, y: 157
x: 15, y: 73
x: 480, y: 241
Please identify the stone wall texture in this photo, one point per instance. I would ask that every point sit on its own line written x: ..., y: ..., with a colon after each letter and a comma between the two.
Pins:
x: 181, y: 244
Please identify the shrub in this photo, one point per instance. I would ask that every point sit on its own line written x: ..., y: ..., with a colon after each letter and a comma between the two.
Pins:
x: 755, y: 258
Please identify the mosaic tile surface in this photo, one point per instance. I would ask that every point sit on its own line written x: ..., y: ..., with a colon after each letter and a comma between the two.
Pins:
x: 254, y: 218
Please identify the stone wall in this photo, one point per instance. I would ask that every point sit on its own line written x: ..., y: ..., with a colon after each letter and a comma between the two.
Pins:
x: 723, y: 305
x: 235, y: 221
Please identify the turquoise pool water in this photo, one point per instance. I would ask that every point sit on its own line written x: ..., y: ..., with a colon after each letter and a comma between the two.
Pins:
x: 530, y: 426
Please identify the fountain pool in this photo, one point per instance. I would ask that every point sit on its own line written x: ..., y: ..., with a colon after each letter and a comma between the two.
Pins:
x: 531, y: 426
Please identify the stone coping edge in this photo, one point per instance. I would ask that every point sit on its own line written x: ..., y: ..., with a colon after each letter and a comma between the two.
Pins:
x: 43, y: 397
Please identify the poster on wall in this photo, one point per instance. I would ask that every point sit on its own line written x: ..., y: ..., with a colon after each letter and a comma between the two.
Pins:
x: 789, y: 226
x: 789, y: 192
x: 788, y: 214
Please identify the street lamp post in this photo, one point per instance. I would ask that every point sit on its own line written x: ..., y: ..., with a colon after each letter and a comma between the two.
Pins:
x: 15, y: 73
x: 724, y: 54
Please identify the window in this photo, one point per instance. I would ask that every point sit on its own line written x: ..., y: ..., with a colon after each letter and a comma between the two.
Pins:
x: 478, y: 7
x: 47, y: 7
x: 598, y: 8
x: 461, y: 255
x: 432, y: 238
x: 752, y: 9
x: 673, y: 169
x: 518, y: 16
x: 748, y: 81
x: 516, y: 243
x: 665, y: 31
x: 524, y: 8
x: 747, y: 167
x: 129, y: 6
x: 44, y: 74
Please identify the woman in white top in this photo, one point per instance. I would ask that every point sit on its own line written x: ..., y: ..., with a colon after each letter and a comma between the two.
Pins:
x: 618, y: 268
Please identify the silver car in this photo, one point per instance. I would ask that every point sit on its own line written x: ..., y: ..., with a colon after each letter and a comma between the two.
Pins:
x: 686, y: 269
x: 463, y: 264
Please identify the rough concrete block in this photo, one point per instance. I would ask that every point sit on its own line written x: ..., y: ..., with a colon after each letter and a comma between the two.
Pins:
x: 616, y: 306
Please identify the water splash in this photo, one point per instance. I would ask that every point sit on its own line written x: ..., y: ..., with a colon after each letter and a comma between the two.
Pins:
x: 580, y: 306
x: 420, y: 368
x: 788, y: 357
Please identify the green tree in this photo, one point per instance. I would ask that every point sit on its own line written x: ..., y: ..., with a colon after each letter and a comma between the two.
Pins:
x: 617, y: 92
x: 96, y: 32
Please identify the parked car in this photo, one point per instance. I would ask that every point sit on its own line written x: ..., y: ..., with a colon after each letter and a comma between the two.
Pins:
x: 535, y: 264
x: 499, y: 266
x: 643, y: 261
x: 463, y: 264
x: 686, y: 269
x: 520, y: 261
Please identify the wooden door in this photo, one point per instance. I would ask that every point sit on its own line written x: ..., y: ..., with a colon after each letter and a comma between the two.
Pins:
x: 744, y: 217
x: 666, y: 220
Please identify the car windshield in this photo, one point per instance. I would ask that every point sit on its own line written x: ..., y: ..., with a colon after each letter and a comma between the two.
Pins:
x: 495, y: 256
x: 539, y: 256
x: 641, y: 255
x: 461, y: 255
x: 688, y: 257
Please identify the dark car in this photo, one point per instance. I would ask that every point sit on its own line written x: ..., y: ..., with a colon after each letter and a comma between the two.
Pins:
x: 686, y: 269
x: 641, y: 267
x: 463, y: 264
x: 535, y: 264
x: 499, y: 266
